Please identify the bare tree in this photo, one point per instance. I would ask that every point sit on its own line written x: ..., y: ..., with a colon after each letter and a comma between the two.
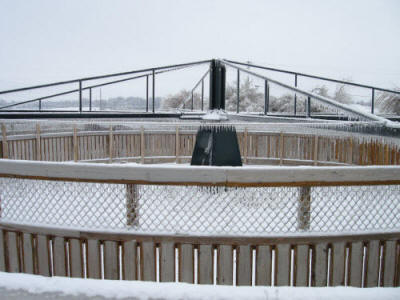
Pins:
x: 388, y: 102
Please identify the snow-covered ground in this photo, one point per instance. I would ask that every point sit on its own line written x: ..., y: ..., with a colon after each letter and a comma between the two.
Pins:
x: 32, y: 287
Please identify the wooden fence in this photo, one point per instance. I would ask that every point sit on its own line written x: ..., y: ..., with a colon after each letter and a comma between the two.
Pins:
x: 361, y: 260
x: 302, y: 259
x: 150, y: 146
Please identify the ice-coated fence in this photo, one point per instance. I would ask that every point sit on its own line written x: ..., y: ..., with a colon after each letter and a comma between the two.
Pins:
x: 200, y: 209
x: 299, y: 226
x: 147, y: 142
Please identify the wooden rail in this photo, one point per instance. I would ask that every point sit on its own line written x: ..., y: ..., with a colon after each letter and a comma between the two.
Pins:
x: 150, y: 146
x: 359, y: 260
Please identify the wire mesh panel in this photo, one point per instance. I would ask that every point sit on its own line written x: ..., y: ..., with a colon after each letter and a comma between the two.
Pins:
x: 193, y: 209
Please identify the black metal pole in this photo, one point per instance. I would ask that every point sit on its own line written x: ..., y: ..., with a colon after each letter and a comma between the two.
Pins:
x: 40, y: 105
x: 147, y: 93
x: 373, y: 101
x: 238, y: 91
x: 266, y: 97
x: 154, y: 89
x: 295, y: 95
x: 90, y: 99
x: 308, y: 107
x: 202, y: 94
x: 80, y: 95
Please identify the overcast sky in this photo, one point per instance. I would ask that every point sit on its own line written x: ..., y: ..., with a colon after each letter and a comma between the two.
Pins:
x: 46, y: 40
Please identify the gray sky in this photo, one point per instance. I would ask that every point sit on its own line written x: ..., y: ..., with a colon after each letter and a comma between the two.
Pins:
x: 46, y: 40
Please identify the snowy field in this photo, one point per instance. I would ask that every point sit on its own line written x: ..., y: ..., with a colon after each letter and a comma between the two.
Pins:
x: 34, y: 287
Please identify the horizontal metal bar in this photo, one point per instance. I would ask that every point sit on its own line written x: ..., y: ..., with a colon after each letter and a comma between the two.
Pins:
x: 315, y: 77
x: 325, y: 100
x: 84, y: 115
x: 102, y: 77
x: 85, y: 88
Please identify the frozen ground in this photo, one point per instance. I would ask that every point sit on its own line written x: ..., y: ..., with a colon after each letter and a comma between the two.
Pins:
x: 32, y: 287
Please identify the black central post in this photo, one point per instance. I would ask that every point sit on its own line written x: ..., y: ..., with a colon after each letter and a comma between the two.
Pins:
x: 217, y: 85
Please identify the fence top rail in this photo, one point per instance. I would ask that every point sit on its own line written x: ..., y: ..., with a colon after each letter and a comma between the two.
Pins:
x: 172, y: 174
x: 124, y: 234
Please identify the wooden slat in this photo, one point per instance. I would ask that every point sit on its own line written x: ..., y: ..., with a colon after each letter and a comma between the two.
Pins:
x: 2, y: 252
x: 43, y: 255
x: 75, y: 258
x: 148, y: 261
x: 205, y: 264
x: 167, y: 262
x: 338, y: 263
x: 356, y: 264
x: 38, y: 152
x: 225, y: 265
x: 75, y: 144
x: 320, y: 265
x: 27, y: 246
x: 13, y: 252
x: 282, y: 266
x: 263, y: 265
x: 389, y: 263
x: 4, y: 141
x: 93, y: 259
x: 59, y: 257
x: 244, y: 258
x: 301, y: 265
x: 129, y: 260
x: 111, y: 269
x: 186, y: 263
x: 372, y: 265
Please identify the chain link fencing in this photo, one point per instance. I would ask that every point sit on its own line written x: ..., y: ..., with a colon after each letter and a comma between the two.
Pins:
x: 200, y: 210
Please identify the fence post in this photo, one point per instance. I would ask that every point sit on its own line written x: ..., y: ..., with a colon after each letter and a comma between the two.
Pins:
x: 90, y: 99
x: 177, y: 145
x: 266, y: 97
x: 238, y: 91
x: 304, y: 206
x: 154, y: 89
x: 132, y: 197
x: 38, y: 148
x: 147, y: 93
x: 80, y: 95
x: 373, y: 101
x: 142, y: 148
x: 111, y: 143
x: 295, y: 95
x: 75, y: 141
x: 4, y: 141
x: 245, y: 145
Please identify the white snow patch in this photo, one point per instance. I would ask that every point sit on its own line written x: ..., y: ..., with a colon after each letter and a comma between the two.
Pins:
x: 215, y: 115
x: 149, y: 290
